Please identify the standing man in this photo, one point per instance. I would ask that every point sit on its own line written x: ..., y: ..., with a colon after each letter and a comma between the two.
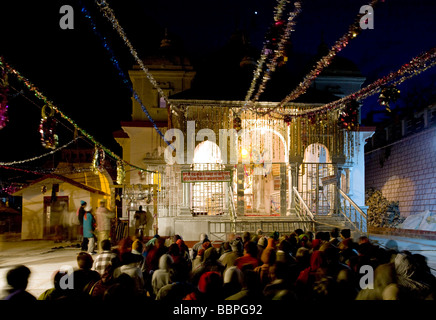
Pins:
x: 140, y: 222
x: 104, y: 217
x: 80, y: 215
x: 88, y: 229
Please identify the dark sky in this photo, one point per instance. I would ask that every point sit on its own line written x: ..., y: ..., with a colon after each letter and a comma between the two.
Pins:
x: 73, y: 69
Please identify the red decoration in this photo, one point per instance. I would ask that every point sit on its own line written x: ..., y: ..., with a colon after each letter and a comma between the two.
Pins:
x: 348, y: 118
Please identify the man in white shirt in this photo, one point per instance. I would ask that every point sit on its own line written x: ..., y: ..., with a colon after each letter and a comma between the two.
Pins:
x: 103, y: 218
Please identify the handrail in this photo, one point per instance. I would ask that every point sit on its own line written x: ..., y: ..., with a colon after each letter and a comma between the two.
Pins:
x: 232, y: 209
x: 305, y: 207
x: 352, y: 205
x: 358, y: 209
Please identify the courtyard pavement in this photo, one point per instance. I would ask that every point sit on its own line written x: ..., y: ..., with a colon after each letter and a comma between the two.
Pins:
x: 44, y: 258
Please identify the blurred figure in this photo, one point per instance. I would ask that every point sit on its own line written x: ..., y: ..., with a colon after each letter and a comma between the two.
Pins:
x: 103, y: 219
x: 17, y: 279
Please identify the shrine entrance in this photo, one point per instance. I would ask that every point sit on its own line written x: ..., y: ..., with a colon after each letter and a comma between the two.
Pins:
x: 317, y: 180
x: 264, y: 155
x: 208, y: 197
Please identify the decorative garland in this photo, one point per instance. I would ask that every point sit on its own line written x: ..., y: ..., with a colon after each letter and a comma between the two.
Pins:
x: 121, y: 73
x: 109, y: 14
x: 265, y: 51
x: 37, y: 157
x: 41, y: 96
x: 3, y: 98
x: 340, y: 44
x: 413, y: 68
x: 279, y: 52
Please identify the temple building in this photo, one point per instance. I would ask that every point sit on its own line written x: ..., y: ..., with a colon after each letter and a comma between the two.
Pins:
x: 228, y: 166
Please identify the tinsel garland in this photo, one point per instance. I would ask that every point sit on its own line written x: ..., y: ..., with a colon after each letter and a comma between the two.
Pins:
x: 3, y: 98
x: 109, y: 14
x: 121, y: 73
x: 265, y: 51
x: 325, y: 61
x: 411, y: 69
x: 37, y: 157
x: 277, y: 50
x: 31, y: 87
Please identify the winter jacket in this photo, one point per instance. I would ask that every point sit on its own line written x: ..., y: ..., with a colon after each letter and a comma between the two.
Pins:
x: 88, y: 221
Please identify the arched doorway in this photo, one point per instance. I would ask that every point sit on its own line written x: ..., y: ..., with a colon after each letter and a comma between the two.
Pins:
x: 264, y: 157
x: 208, y: 198
x: 317, y: 179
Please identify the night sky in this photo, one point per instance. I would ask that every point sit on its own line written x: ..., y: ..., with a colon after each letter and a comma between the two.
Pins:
x: 72, y: 68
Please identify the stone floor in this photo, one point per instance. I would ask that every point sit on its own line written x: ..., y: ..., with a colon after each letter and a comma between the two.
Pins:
x: 43, y: 258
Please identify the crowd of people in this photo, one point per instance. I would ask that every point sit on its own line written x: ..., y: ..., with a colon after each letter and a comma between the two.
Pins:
x: 301, y: 266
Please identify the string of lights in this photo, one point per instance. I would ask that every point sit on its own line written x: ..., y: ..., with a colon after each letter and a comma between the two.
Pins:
x: 37, y: 157
x: 31, y: 87
x: 271, y: 66
x: 353, y: 32
x: 260, y: 63
x: 121, y: 73
x: 411, y: 69
x: 109, y: 14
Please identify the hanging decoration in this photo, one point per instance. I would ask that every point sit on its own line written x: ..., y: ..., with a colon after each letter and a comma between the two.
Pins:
x: 110, y: 16
x: 37, y: 157
x: 3, y: 98
x: 47, y: 127
x: 98, y: 160
x: 276, y: 47
x: 121, y: 173
x: 348, y: 117
x: 278, y: 11
x: 387, y: 95
x: 31, y: 87
x: 353, y: 32
x: 237, y: 123
x: 287, y: 119
x: 411, y: 69
x: 121, y: 73
x: 273, y: 49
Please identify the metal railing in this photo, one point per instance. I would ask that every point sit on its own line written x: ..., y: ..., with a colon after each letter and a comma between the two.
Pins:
x: 219, y: 229
x: 232, y: 209
x: 301, y: 208
x: 352, y: 212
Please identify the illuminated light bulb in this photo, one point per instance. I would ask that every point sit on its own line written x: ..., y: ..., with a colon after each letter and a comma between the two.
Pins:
x: 244, y: 153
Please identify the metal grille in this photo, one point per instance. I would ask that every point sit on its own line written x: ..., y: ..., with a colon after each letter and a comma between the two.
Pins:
x: 170, y: 196
x: 319, y: 197
x: 208, y: 198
